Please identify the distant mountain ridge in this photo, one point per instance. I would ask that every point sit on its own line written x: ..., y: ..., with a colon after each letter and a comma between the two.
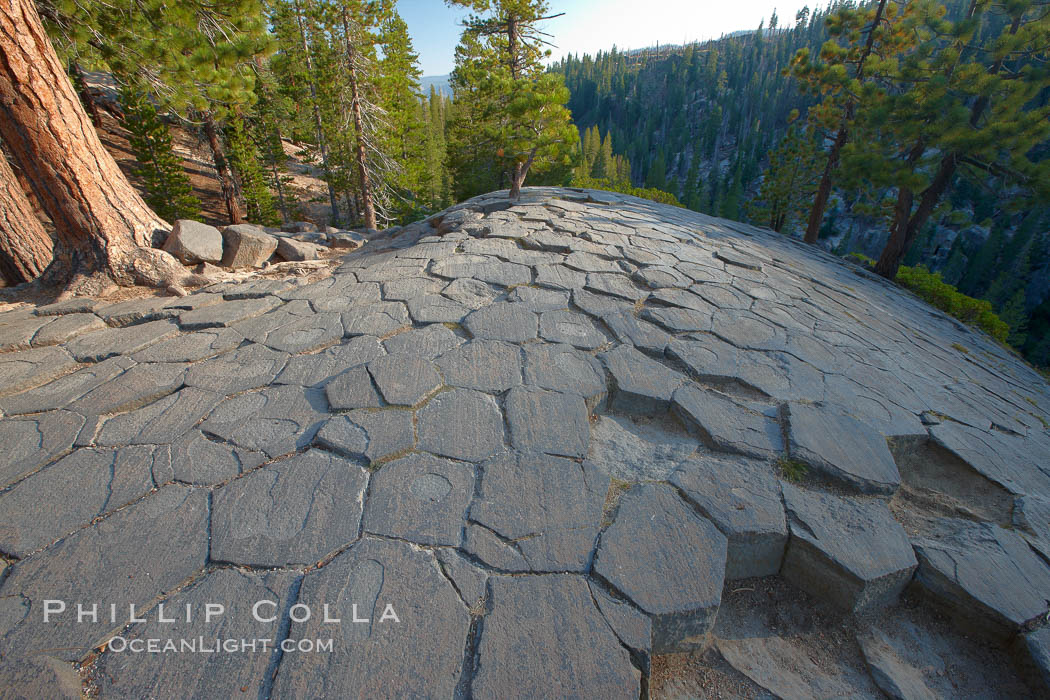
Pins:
x: 439, y: 82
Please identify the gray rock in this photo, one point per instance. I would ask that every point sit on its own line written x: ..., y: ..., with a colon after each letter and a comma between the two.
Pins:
x: 197, y: 460
x: 678, y: 320
x: 559, y: 277
x: 140, y: 385
x: 742, y: 499
x: 599, y: 305
x: 470, y: 292
x: 206, y: 674
x: 963, y: 567
x: 548, y: 421
x: 276, y: 420
x: 246, y: 245
x: 40, y: 677
x: 192, y: 242
x: 669, y: 561
x: 65, y: 390
x: 572, y: 329
x: 563, y: 368
x: 637, y: 448
x: 369, y: 435
x: 841, y: 447
x: 411, y: 287
x: 67, y: 326
x: 300, y: 227
x: 75, y: 305
x: 379, y: 658
x: 227, y: 313
x: 352, y: 389
x: 305, y: 334
x: 469, y: 580
x: 33, y: 441
x: 1038, y: 644
x: 462, y: 424
x: 429, y: 342
x: 78, y: 488
x: 127, y: 558
x: 485, y: 365
x: 571, y: 652
x: 420, y: 498
x: 133, y: 311
x: 1031, y: 518
x: 313, y: 369
x: 346, y: 239
x: 502, y: 321
x: 435, y: 308
x: 288, y: 513
x: 631, y: 626
x: 893, y: 675
x: 726, y: 425
x: 404, y: 379
x: 291, y: 249
x: 616, y: 285
x: 641, y: 385
x: 630, y: 329
x: 162, y: 422
x: 191, y: 347
x: 19, y: 334
x: 539, y: 299
x: 380, y: 319
x: 99, y: 345
x: 546, y: 510
x: 248, y: 367
x: 849, y: 552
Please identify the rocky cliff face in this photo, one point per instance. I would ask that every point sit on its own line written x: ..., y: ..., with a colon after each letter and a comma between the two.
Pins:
x: 564, y: 441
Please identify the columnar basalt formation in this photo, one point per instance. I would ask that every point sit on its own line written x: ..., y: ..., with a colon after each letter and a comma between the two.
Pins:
x: 523, y: 449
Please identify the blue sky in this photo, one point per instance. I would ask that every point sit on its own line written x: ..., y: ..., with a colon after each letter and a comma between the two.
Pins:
x: 592, y: 25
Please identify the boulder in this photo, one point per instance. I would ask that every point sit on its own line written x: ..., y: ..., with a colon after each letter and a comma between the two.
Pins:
x: 299, y: 227
x: 247, y: 246
x: 346, y: 239
x: 192, y: 242
x: 291, y: 249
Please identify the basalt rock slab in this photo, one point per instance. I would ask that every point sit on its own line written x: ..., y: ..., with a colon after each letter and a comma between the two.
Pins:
x: 461, y: 424
x: 727, y: 425
x: 291, y: 512
x: 849, y: 552
x: 369, y: 435
x: 669, y: 561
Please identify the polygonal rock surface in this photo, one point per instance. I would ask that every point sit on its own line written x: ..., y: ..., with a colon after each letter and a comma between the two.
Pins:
x: 378, y: 658
x: 287, y: 513
x: 33, y: 441
x: 986, y: 576
x: 564, y: 368
x: 669, y: 561
x: 310, y: 370
x: 191, y: 347
x: 841, y: 447
x: 369, y: 435
x: 138, y: 386
x: 94, y: 564
x: 404, y: 379
x: 161, y: 422
x: 641, y: 334
x: 570, y: 646
x: 429, y: 341
x: 894, y: 677
x: 379, y: 319
x: 742, y: 499
x: 65, y: 327
x: 643, y: 386
x: 462, y: 424
x: 352, y: 389
x: 420, y: 498
x: 726, y: 425
x: 226, y: 313
x: 572, y: 329
x: 633, y: 627
x: 547, y: 421
x: 206, y: 675
x: 485, y: 365
x: 248, y: 367
x: 193, y: 242
x: 277, y: 420
x: 97, y: 346
x: 542, y: 513
x: 1038, y: 644
x: 849, y: 552
x: 197, y: 460
x: 636, y: 448
x: 40, y: 677
x: 502, y: 321
x: 66, y: 389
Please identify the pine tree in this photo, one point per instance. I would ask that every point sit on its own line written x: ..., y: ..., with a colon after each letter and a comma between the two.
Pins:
x: 519, y: 107
x: 244, y: 155
x: 169, y: 192
x: 789, y: 182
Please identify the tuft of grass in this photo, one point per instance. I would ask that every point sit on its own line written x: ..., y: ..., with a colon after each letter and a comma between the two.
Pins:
x: 862, y: 260
x: 793, y: 470
x: 961, y: 348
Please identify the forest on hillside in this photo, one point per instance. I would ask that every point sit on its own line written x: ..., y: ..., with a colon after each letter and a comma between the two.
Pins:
x: 912, y: 132
x: 729, y: 127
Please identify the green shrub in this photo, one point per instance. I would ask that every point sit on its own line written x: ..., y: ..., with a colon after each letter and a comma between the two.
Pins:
x: 650, y: 193
x: 938, y: 293
x: 861, y: 259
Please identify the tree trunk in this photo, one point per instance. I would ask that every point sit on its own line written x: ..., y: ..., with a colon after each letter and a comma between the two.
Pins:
x: 25, y: 247
x: 321, y: 146
x: 820, y: 201
x: 521, y: 171
x: 99, y: 217
x: 355, y: 107
x: 222, y: 170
